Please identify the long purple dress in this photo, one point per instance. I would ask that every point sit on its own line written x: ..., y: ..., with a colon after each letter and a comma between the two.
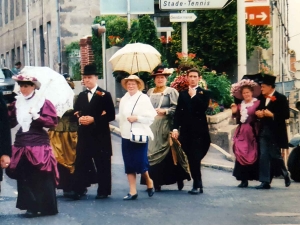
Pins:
x: 245, y: 146
x: 33, y: 164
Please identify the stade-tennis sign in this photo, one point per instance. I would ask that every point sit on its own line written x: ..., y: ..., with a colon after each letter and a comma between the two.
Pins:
x: 191, y: 4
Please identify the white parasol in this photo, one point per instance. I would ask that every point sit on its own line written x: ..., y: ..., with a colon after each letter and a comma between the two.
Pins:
x: 135, y: 58
x: 54, y: 87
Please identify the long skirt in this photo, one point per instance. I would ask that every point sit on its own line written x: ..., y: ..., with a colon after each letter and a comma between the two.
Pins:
x: 36, y: 189
x: 246, y: 172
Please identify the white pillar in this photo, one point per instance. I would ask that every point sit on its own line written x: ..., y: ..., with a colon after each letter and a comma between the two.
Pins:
x: 242, y: 53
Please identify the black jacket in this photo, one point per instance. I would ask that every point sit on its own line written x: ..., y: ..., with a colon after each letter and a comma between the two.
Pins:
x: 5, y: 135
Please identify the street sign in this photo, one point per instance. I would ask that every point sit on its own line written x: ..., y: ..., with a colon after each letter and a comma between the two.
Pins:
x: 257, y: 3
x: 120, y: 7
x: 191, y: 4
x: 259, y: 15
x: 182, y: 17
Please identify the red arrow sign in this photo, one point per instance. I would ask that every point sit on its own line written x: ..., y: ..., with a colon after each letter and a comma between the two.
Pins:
x: 258, y: 15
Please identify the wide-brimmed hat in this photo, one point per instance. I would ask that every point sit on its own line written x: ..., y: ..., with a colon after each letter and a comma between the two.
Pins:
x: 160, y: 70
x: 255, y: 77
x: 139, y: 81
x: 23, y: 76
x: 90, y: 69
x: 236, y: 89
x: 268, y: 79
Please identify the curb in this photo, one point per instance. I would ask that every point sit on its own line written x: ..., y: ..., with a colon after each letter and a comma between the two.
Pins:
x: 115, y: 130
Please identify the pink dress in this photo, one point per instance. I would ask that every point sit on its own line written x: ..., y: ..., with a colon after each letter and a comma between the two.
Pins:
x: 245, y: 146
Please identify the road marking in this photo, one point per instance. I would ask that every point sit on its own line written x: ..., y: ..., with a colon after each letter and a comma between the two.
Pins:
x: 279, y: 214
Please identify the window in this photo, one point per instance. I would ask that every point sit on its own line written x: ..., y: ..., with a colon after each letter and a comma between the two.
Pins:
x: 12, y: 9
x: 42, y: 46
x: 25, y: 59
x: 49, y: 46
x: 1, y: 15
x: 6, y: 11
x: 7, y: 62
x: 35, y: 54
x: 18, y: 59
x: 13, y: 57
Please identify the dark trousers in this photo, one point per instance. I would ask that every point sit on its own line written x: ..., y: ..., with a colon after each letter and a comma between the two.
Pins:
x: 85, y: 175
x: 270, y: 162
x: 195, y: 168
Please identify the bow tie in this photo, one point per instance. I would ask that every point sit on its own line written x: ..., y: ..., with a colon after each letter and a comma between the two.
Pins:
x: 88, y: 91
x: 272, y: 98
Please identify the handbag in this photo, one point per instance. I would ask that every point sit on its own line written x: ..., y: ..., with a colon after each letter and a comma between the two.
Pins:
x: 135, y: 133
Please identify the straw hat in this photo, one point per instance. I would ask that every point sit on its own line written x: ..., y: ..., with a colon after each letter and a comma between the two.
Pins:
x: 236, y: 89
x: 160, y: 70
x: 24, y: 76
x: 140, y: 83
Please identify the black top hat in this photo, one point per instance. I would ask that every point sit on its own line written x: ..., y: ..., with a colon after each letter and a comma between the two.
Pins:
x: 90, y: 69
x: 255, y: 77
x: 268, y: 79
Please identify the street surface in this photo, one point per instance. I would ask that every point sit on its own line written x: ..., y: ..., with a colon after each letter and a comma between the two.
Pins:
x: 222, y: 203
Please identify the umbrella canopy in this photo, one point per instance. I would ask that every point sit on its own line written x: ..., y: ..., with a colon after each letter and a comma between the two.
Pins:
x: 135, y: 58
x: 54, y: 87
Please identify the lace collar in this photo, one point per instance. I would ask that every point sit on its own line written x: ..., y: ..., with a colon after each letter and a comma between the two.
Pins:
x: 244, y: 110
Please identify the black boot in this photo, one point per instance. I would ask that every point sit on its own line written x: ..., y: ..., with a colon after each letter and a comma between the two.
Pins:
x: 263, y: 185
x: 285, y: 173
x: 243, y: 184
x: 180, y: 185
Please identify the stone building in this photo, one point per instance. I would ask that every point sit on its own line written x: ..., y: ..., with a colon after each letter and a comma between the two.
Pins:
x: 47, y: 29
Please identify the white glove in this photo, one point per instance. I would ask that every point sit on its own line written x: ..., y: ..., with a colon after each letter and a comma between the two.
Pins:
x: 35, y: 113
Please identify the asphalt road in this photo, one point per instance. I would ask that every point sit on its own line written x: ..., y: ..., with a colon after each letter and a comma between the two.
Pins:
x: 222, y: 203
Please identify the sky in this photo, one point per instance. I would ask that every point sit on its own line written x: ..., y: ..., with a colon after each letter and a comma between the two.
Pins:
x: 294, y: 26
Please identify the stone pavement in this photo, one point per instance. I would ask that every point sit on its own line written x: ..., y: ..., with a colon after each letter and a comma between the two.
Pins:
x: 216, y: 157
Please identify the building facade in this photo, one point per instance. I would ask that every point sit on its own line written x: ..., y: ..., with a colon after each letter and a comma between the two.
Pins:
x: 51, y: 25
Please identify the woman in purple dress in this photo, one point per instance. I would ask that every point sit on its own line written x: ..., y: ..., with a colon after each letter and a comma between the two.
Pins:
x: 245, y: 145
x: 33, y: 164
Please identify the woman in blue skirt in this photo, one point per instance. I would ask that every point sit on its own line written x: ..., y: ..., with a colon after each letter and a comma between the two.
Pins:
x: 136, y: 111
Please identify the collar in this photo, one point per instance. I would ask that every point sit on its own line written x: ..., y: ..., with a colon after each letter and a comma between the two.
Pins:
x: 93, y: 90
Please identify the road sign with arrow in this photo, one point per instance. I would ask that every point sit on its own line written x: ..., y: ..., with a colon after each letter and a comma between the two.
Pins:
x: 182, y: 17
x: 258, y: 15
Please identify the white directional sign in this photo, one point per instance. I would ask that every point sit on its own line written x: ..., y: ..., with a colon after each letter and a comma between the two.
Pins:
x: 182, y: 17
x: 191, y: 4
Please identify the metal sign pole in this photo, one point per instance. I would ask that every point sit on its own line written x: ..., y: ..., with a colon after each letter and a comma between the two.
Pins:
x: 104, y: 60
x: 184, y: 36
x: 242, y: 57
x: 128, y: 14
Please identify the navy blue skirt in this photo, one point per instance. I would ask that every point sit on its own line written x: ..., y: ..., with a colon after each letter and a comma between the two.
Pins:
x: 135, y: 156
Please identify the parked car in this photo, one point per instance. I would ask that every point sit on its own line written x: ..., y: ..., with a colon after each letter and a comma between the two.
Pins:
x: 7, y: 84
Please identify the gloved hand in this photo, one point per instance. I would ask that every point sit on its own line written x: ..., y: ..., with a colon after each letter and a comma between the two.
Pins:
x: 35, y: 113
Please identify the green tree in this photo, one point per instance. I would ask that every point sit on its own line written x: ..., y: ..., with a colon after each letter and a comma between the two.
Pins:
x: 213, y: 37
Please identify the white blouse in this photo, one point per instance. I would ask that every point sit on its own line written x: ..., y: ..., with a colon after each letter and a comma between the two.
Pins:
x: 143, y: 110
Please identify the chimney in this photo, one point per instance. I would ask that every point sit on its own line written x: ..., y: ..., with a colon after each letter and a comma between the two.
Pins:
x: 86, y: 52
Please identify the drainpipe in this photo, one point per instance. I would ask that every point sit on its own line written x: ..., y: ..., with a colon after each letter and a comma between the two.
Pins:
x: 58, y: 36
x: 27, y: 29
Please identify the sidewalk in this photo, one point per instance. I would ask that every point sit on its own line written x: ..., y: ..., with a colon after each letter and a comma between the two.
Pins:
x: 216, y: 157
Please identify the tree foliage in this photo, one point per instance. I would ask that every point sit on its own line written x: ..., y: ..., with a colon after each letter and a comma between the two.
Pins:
x: 213, y: 37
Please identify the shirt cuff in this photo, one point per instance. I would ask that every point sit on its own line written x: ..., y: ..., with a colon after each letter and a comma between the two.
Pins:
x: 167, y: 111
x: 36, y: 116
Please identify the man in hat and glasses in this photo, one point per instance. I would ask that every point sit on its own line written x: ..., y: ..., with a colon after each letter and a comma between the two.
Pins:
x: 94, y: 109
x: 272, y: 112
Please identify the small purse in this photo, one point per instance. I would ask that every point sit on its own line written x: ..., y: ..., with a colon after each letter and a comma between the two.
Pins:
x: 135, y: 133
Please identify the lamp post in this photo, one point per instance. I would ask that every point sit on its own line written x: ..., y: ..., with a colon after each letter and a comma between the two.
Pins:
x: 100, y: 30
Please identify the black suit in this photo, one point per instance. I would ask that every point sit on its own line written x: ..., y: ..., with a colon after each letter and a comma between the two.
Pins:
x: 194, y: 136
x: 94, y: 142
x: 273, y: 137
x: 5, y: 136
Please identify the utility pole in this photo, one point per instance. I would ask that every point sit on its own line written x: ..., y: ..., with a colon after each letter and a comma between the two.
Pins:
x: 242, y: 53
x: 27, y: 35
x: 58, y: 36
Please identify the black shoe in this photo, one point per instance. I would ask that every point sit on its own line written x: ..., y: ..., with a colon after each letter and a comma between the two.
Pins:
x: 68, y: 194
x: 194, y: 191
x: 150, y: 192
x: 30, y: 214
x: 157, y: 188
x: 243, y: 184
x: 180, y: 185
x: 201, y: 190
x: 287, y: 180
x: 101, y: 196
x: 263, y: 185
x: 130, y: 197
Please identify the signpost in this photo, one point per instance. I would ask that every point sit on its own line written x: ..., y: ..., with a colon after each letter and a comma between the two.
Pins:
x: 259, y: 15
x: 191, y: 4
x: 182, y: 17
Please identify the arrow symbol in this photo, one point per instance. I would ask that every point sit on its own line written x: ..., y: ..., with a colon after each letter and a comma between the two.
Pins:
x: 262, y: 15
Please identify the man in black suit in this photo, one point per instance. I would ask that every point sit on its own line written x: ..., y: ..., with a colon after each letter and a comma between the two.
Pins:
x: 190, y: 117
x: 94, y: 109
x: 272, y: 112
x: 5, y: 137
